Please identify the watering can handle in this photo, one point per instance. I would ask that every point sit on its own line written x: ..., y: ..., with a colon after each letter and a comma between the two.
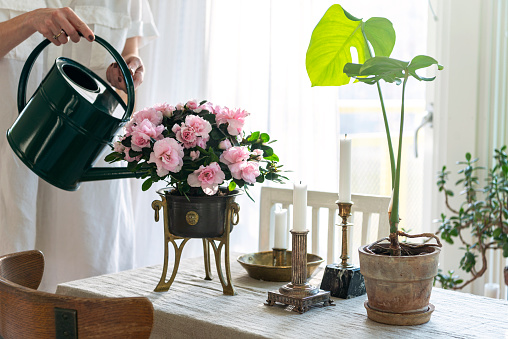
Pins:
x: 25, y: 73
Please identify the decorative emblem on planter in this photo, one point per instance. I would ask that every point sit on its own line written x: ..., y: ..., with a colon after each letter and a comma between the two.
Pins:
x: 192, y: 218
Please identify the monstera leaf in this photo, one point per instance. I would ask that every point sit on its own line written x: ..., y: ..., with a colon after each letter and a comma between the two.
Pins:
x: 389, y: 70
x: 334, y: 36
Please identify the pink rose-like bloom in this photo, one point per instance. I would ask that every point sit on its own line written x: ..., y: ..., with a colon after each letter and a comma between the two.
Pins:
x: 185, y: 135
x: 142, y: 133
x: 250, y: 171
x: 166, y: 109
x: 128, y: 158
x: 234, y: 118
x: 257, y: 154
x: 225, y: 144
x: 200, y: 125
x: 194, y: 155
x: 234, y: 155
x: 118, y: 147
x: 179, y: 106
x: 167, y: 155
x: 150, y: 113
x: 208, y: 178
x: 192, y: 104
x: 207, y: 106
x: 201, y: 141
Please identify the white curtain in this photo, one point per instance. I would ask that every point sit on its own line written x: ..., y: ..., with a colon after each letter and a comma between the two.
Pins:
x: 247, y: 54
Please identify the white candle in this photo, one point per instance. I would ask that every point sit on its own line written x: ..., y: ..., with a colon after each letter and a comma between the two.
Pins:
x: 345, y: 170
x: 299, y: 207
x: 281, y: 239
x: 491, y: 290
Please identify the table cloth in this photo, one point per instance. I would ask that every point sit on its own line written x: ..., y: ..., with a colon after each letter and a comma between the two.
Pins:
x: 196, y: 308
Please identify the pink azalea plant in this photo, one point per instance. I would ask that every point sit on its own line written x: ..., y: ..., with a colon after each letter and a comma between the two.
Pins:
x: 196, y: 147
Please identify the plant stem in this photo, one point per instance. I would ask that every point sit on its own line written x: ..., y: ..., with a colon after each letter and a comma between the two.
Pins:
x: 385, y: 117
x: 394, y: 216
x: 388, y: 137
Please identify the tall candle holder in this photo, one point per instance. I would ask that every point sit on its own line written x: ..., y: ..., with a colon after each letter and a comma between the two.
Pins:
x: 299, y: 295
x: 343, y: 280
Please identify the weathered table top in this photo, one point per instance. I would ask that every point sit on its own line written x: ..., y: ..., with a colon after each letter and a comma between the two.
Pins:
x: 196, y: 308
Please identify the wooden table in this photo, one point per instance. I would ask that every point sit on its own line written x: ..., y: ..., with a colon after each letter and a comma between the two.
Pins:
x: 196, y: 308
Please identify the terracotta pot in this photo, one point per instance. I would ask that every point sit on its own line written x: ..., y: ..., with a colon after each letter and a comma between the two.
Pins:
x: 398, y: 288
x: 196, y: 217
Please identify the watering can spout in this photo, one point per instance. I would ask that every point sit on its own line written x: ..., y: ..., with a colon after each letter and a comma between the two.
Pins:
x: 109, y: 173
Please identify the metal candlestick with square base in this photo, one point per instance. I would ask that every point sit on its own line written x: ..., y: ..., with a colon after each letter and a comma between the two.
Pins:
x: 343, y: 280
x: 299, y: 295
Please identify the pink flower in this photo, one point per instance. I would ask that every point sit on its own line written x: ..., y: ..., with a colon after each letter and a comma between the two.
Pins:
x: 207, y: 106
x: 250, y: 171
x: 185, y: 135
x: 194, y: 155
x: 167, y: 155
x: 128, y: 158
x: 201, y: 142
x: 234, y: 118
x: 257, y: 154
x: 142, y: 133
x: 129, y: 126
x: 166, y: 109
x: 225, y: 144
x: 208, y: 178
x: 192, y: 104
x: 153, y: 115
x: 234, y: 155
x: 179, y: 106
x: 200, y: 125
x: 118, y: 147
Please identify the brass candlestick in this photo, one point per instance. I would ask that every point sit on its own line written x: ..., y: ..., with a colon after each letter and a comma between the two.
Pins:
x: 299, y: 295
x: 343, y: 280
x: 279, y: 256
x: 345, y: 213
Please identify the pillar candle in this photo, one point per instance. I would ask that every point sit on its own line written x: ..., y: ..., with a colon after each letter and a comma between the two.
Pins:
x: 281, y: 231
x: 345, y: 170
x: 299, y: 207
x: 491, y: 290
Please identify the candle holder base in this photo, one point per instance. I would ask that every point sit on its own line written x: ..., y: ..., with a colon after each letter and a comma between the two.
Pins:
x: 299, y: 299
x: 343, y: 282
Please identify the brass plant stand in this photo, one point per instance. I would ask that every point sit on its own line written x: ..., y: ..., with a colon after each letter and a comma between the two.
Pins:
x: 299, y: 295
x: 231, y: 218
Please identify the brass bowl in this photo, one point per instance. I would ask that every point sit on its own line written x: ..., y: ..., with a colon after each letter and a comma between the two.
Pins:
x: 259, y: 266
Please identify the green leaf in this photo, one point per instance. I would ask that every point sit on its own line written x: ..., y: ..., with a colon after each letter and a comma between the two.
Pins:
x: 272, y: 157
x: 422, y: 61
x: 147, y: 184
x: 331, y: 42
x: 380, y: 33
x: 232, y: 186
x: 254, y: 136
x: 265, y: 137
x: 111, y: 157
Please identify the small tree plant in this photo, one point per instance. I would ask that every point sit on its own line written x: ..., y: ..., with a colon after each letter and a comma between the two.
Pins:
x: 483, y: 214
x: 329, y: 64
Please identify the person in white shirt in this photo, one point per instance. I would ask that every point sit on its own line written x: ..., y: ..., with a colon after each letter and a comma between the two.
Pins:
x: 90, y: 231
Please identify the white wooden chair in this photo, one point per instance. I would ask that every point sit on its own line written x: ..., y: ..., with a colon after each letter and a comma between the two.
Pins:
x: 369, y: 215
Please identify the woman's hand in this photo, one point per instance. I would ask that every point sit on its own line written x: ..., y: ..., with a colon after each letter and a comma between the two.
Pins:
x: 59, y: 24
x: 115, y: 76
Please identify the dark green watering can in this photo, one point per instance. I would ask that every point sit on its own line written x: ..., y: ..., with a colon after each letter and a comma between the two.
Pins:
x: 61, y: 131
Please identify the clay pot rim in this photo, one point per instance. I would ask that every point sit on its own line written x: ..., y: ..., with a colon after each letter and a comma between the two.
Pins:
x: 435, y: 251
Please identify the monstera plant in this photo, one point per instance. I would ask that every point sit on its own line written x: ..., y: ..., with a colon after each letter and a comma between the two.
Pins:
x: 398, y: 276
x: 329, y: 63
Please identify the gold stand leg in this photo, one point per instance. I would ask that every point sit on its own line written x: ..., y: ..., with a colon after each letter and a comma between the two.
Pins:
x: 206, y: 256
x: 232, y: 210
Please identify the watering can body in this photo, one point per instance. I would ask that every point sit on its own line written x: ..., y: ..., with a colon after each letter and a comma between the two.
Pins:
x: 66, y: 124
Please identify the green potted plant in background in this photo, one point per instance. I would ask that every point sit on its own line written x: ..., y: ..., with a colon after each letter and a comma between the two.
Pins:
x: 481, y: 221
x: 398, y: 276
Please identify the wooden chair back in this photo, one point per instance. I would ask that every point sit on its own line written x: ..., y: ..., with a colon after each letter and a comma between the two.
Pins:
x: 28, y: 313
x: 371, y: 210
